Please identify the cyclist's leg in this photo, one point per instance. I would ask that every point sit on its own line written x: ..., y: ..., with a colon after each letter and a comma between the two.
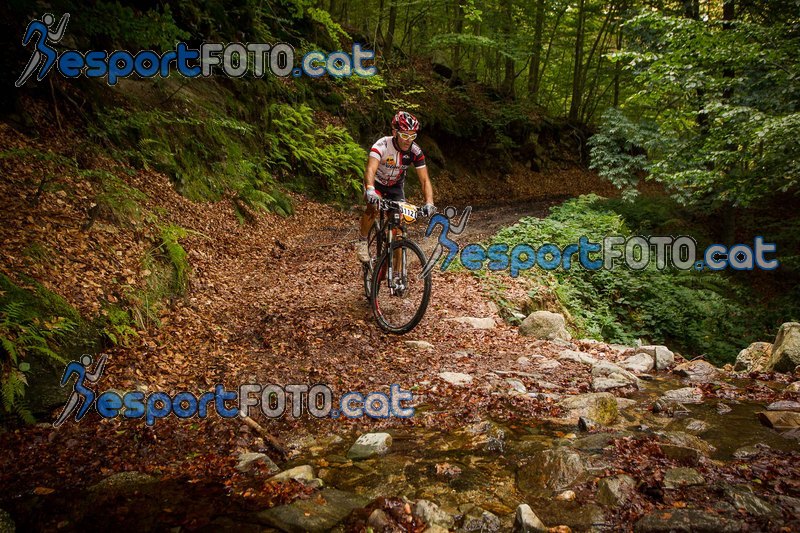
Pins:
x: 367, y: 220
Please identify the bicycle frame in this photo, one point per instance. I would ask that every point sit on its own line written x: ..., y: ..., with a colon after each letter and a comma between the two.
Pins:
x: 390, y: 223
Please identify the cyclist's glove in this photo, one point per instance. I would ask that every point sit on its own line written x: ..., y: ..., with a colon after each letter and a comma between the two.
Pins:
x: 371, y: 196
x: 428, y: 210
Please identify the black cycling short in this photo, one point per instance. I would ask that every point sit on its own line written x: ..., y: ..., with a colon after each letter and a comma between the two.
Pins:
x: 394, y: 192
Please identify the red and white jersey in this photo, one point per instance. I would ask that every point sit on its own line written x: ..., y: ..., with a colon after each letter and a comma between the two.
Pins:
x: 392, y: 162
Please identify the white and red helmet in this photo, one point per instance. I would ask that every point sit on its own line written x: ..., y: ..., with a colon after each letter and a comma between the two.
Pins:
x: 405, y: 121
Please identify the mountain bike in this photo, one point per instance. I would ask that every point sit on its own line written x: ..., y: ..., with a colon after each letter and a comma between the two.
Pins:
x: 393, y: 282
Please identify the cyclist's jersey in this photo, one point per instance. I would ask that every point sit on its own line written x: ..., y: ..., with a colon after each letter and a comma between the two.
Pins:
x: 393, y: 162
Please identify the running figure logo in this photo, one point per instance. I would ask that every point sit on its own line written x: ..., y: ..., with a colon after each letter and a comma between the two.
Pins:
x: 79, y: 390
x: 445, y: 242
x: 43, y: 56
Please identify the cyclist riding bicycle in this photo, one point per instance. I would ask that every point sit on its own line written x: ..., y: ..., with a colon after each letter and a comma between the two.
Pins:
x: 384, y: 177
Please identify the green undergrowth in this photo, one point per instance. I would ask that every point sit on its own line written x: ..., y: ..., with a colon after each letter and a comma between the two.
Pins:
x: 167, y: 278
x: 222, y: 148
x: 714, y: 314
x: 37, y: 328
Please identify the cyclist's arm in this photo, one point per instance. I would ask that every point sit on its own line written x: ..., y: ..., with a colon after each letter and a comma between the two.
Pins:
x: 425, y: 183
x: 369, y: 173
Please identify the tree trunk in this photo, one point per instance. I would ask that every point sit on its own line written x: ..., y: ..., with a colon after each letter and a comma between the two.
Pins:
x: 387, y: 53
x: 691, y: 9
x: 617, y: 69
x: 507, y: 89
x: 728, y: 15
x: 457, y: 28
x: 575, y: 102
x: 533, y: 75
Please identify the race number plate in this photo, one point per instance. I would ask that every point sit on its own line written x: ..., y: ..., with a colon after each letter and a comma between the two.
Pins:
x: 409, y: 212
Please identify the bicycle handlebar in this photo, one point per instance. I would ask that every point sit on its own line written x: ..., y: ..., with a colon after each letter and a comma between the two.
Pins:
x: 386, y: 205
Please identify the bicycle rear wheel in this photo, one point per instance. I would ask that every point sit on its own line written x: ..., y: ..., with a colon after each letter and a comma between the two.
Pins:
x: 400, y: 303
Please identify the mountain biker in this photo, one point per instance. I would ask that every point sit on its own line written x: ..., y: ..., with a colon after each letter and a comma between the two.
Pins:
x: 384, y: 177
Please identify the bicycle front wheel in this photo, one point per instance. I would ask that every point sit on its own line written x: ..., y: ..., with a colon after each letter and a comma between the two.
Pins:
x: 399, y: 302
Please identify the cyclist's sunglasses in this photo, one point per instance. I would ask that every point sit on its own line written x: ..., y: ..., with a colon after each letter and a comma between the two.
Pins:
x: 407, y: 136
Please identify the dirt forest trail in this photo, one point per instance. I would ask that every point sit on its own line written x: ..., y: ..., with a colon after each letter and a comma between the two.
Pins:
x: 289, y: 306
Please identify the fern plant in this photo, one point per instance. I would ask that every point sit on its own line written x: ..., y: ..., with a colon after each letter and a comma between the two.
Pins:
x: 20, y: 337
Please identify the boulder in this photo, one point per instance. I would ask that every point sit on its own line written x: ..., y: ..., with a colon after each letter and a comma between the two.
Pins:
x: 639, y: 363
x: 123, y: 482
x: 526, y: 521
x: 615, y: 491
x: 432, y: 514
x: 696, y: 427
x: 550, y: 470
x: 682, y: 477
x: 607, y: 375
x: 573, y: 516
x: 723, y: 408
x: 566, y: 496
x: 516, y: 385
x: 784, y: 405
x: 456, y: 378
x: 369, y: 445
x: 299, y: 473
x: 317, y: 514
x: 683, y: 454
x: 598, y: 406
x: 603, y: 384
x: 748, y: 452
x: 478, y: 520
x: 742, y: 497
x: 662, y: 356
x: 786, y: 349
x: 684, y: 395
x: 587, y: 424
x: 545, y: 325
x: 666, y: 407
x: 578, y: 357
x: 419, y: 345
x: 608, y: 369
x: 686, y: 521
x: 475, y: 322
x: 753, y: 358
x: 248, y: 460
x: 680, y: 438
x: 378, y: 520
x: 549, y: 364
x: 699, y: 371
x: 780, y: 419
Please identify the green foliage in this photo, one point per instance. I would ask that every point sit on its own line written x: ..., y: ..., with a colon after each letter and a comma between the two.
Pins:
x: 176, y: 254
x: 618, y: 151
x: 124, y: 27
x: 681, y: 308
x: 207, y: 157
x: 335, y: 31
x: 116, y: 200
x: 327, y: 158
x: 31, y: 330
x: 724, y: 103
x: 118, y: 325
